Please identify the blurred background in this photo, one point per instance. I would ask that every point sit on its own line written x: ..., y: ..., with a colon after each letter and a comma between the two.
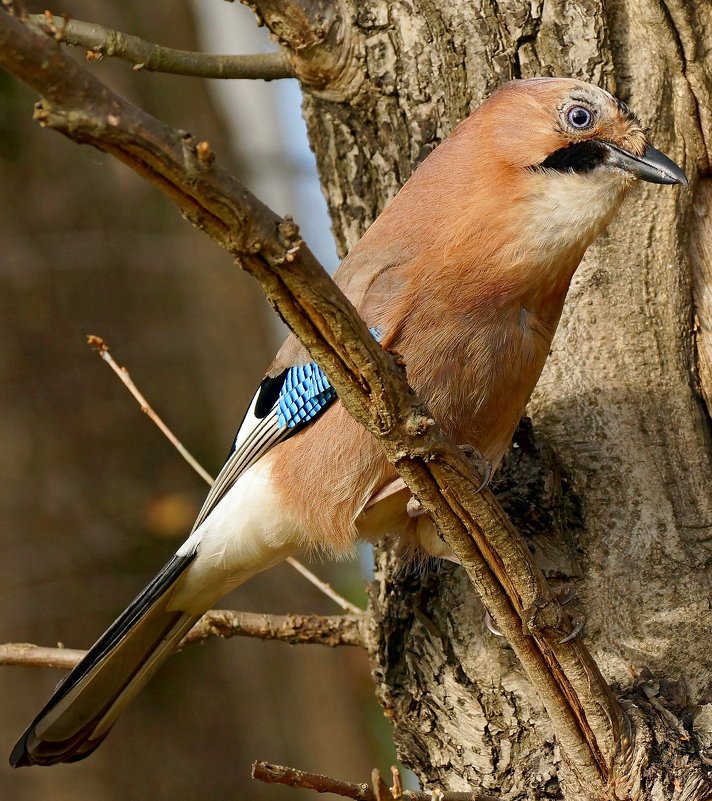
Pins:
x: 94, y: 499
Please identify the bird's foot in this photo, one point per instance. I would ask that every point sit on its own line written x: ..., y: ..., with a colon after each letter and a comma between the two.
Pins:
x: 577, y: 624
x: 564, y: 594
x: 415, y: 508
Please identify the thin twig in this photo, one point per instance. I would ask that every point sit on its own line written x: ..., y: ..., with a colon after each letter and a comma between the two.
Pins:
x: 29, y: 655
x: 333, y: 630
x: 105, y: 42
x: 327, y: 589
x: 101, y: 347
x: 279, y: 774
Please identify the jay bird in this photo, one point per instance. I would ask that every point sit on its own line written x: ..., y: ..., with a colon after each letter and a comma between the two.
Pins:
x: 465, y: 274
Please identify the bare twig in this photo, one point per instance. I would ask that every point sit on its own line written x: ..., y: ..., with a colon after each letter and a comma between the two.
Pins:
x: 101, y: 347
x: 28, y: 655
x: 331, y: 630
x: 279, y: 774
x: 144, y: 55
x: 327, y: 589
x: 371, y: 385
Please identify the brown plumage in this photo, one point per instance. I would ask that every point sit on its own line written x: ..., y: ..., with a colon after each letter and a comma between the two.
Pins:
x: 465, y: 274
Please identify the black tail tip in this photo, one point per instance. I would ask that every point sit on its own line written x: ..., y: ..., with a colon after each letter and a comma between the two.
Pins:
x: 29, y: 750
x: 20, y: 756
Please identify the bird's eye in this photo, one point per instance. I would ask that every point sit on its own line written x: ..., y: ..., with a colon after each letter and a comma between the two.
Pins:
x: 579, y: 117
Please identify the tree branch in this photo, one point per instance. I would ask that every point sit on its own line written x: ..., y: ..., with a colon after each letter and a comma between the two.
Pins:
x: 28, y: 655
x: 279, y: 774
x: 325, y: 53
x: 333, y: 630
x: 144, y: 55
x: 369, y: 381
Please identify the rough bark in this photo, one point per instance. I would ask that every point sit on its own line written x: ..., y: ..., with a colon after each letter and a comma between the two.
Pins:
x: 618, y: 402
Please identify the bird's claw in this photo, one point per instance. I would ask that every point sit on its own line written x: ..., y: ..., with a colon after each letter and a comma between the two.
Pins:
x: 484, y: 465
x: 491, y: 627
x: 564, y: 593
x: 578, y: 622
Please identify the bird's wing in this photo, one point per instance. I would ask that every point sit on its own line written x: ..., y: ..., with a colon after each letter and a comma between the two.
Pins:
x: 292, y: 395
x: 283, y: 404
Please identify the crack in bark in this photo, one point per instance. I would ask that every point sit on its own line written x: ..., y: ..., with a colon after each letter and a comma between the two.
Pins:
x: 679, y: 42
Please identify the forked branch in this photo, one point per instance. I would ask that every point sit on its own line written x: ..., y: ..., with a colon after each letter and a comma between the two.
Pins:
x: 324, y: 50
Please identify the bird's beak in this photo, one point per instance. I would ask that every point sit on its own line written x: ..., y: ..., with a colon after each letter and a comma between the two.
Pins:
x: 652, y: 166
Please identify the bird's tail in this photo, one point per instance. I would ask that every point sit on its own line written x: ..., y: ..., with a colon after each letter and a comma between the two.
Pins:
x: 87, y: 703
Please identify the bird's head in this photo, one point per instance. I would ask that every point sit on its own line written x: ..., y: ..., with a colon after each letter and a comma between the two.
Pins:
x: 546, y: 163
x: 558, y: 126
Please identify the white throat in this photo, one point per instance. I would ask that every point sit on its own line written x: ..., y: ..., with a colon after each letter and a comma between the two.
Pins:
x: 566, y: 210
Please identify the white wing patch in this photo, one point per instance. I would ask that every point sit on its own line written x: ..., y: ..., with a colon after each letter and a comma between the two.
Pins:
x: 254, y: 438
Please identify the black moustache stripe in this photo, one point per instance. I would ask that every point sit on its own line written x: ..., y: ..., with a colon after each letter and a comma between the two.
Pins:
x: 579, y: 157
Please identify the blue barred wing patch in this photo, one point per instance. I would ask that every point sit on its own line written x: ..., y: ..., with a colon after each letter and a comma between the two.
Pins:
x: 306, y: 392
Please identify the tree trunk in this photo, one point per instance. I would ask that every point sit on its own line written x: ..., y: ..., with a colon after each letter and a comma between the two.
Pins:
x: 618, y: 498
